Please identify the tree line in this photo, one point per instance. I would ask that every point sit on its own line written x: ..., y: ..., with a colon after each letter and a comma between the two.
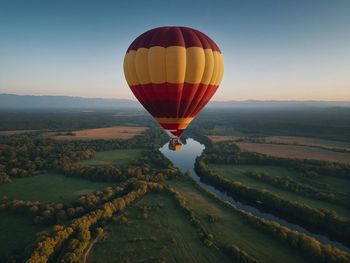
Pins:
x: 324, y: 220
x: 71, y: 240
x: 31, y: 154
x: 229, y: 153
x: 313, y: 248
x: 52, y: 213
x: 289, y: 184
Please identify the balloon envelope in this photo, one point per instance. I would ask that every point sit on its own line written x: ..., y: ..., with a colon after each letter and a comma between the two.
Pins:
x: 173, y: 72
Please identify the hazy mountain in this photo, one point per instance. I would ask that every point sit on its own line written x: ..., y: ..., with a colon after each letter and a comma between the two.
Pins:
x: 11, y: 101
x: 277, y: 104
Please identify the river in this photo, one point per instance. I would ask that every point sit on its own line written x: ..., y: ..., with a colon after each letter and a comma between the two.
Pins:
x: 185, y: 160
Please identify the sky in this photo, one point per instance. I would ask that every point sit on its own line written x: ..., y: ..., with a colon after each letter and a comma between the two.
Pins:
x: 273, y: 50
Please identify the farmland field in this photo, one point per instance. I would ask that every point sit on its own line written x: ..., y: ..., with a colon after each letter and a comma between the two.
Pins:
x: 295, y: 151
x: 236, y: 173
x: 222, y: 138
x: 165, y: 236
x: 117, y: 132
x: 334, y: 184
x: 50, y: 187
x: 307, y: 142
x: 120, y: 157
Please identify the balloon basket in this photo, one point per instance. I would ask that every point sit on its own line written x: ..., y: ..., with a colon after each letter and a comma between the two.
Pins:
x: 175, y: 144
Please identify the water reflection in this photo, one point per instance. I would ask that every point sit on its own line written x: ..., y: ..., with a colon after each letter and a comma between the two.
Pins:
x: 185, y: 160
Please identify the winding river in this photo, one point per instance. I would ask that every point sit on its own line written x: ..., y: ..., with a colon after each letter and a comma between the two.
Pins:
x: 185, y: 160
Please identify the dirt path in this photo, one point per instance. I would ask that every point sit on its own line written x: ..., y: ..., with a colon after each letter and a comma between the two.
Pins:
x: 91, y: 246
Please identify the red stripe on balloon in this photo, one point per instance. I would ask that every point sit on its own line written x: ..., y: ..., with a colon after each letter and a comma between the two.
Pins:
x: 163, y: 100
x: 167, y: 91
x: 173, y: 36
x: 204, y: 100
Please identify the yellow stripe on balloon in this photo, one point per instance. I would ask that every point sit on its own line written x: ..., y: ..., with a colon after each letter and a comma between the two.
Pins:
x: 183, y: 126
x: 174, y: 120
x: 141, y: 62
x: 195, y: 58
x: 131, y: 68
x: 173, y: 64
x: 157, y: 65
x: 209, y: 66
x: 220, y: 70
x: 216, y: 67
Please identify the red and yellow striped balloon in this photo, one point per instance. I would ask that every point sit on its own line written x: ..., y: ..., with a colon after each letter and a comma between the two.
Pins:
x: 173, y: 72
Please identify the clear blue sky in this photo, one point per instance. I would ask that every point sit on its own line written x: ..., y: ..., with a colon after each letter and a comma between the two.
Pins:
x: 273, y: 49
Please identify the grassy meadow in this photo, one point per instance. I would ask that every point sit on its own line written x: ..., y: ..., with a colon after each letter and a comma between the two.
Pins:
x: 120, y: 157
x: 49, y: 187
x: 236, y: 173
x: 16, y: 231
x: 231, y: 228
x: 166, y: 235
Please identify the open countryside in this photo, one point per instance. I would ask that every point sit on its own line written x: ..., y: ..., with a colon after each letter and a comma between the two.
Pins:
x: 295, y: 151
x: 130, y: 197
x: 175, y: 131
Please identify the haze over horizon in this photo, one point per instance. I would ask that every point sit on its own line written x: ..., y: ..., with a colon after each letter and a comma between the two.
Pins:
x: 273, y: 50
x: 134, y: 99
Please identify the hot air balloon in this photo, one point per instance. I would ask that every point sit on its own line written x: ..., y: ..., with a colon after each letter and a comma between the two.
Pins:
x: 173, y: 71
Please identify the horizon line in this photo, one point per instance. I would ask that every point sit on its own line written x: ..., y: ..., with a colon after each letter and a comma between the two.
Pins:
x: 232, y: 100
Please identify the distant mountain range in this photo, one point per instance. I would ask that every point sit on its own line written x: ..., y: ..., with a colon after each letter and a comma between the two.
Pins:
x: 11, y: 101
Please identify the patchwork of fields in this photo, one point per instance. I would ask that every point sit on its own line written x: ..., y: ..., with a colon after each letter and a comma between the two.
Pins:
x: 295, y: 151
x: 133, y: 214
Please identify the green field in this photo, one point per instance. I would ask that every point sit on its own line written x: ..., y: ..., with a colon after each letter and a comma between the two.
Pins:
x: 335, y: 184
x: 236, y: 172
x: 269, y: 169
x: 50, y: 187
x: 166, y: 236
x: 121, y: 157
x: 16, y: 231
x: 224, y: 130
x: 231, y: 228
